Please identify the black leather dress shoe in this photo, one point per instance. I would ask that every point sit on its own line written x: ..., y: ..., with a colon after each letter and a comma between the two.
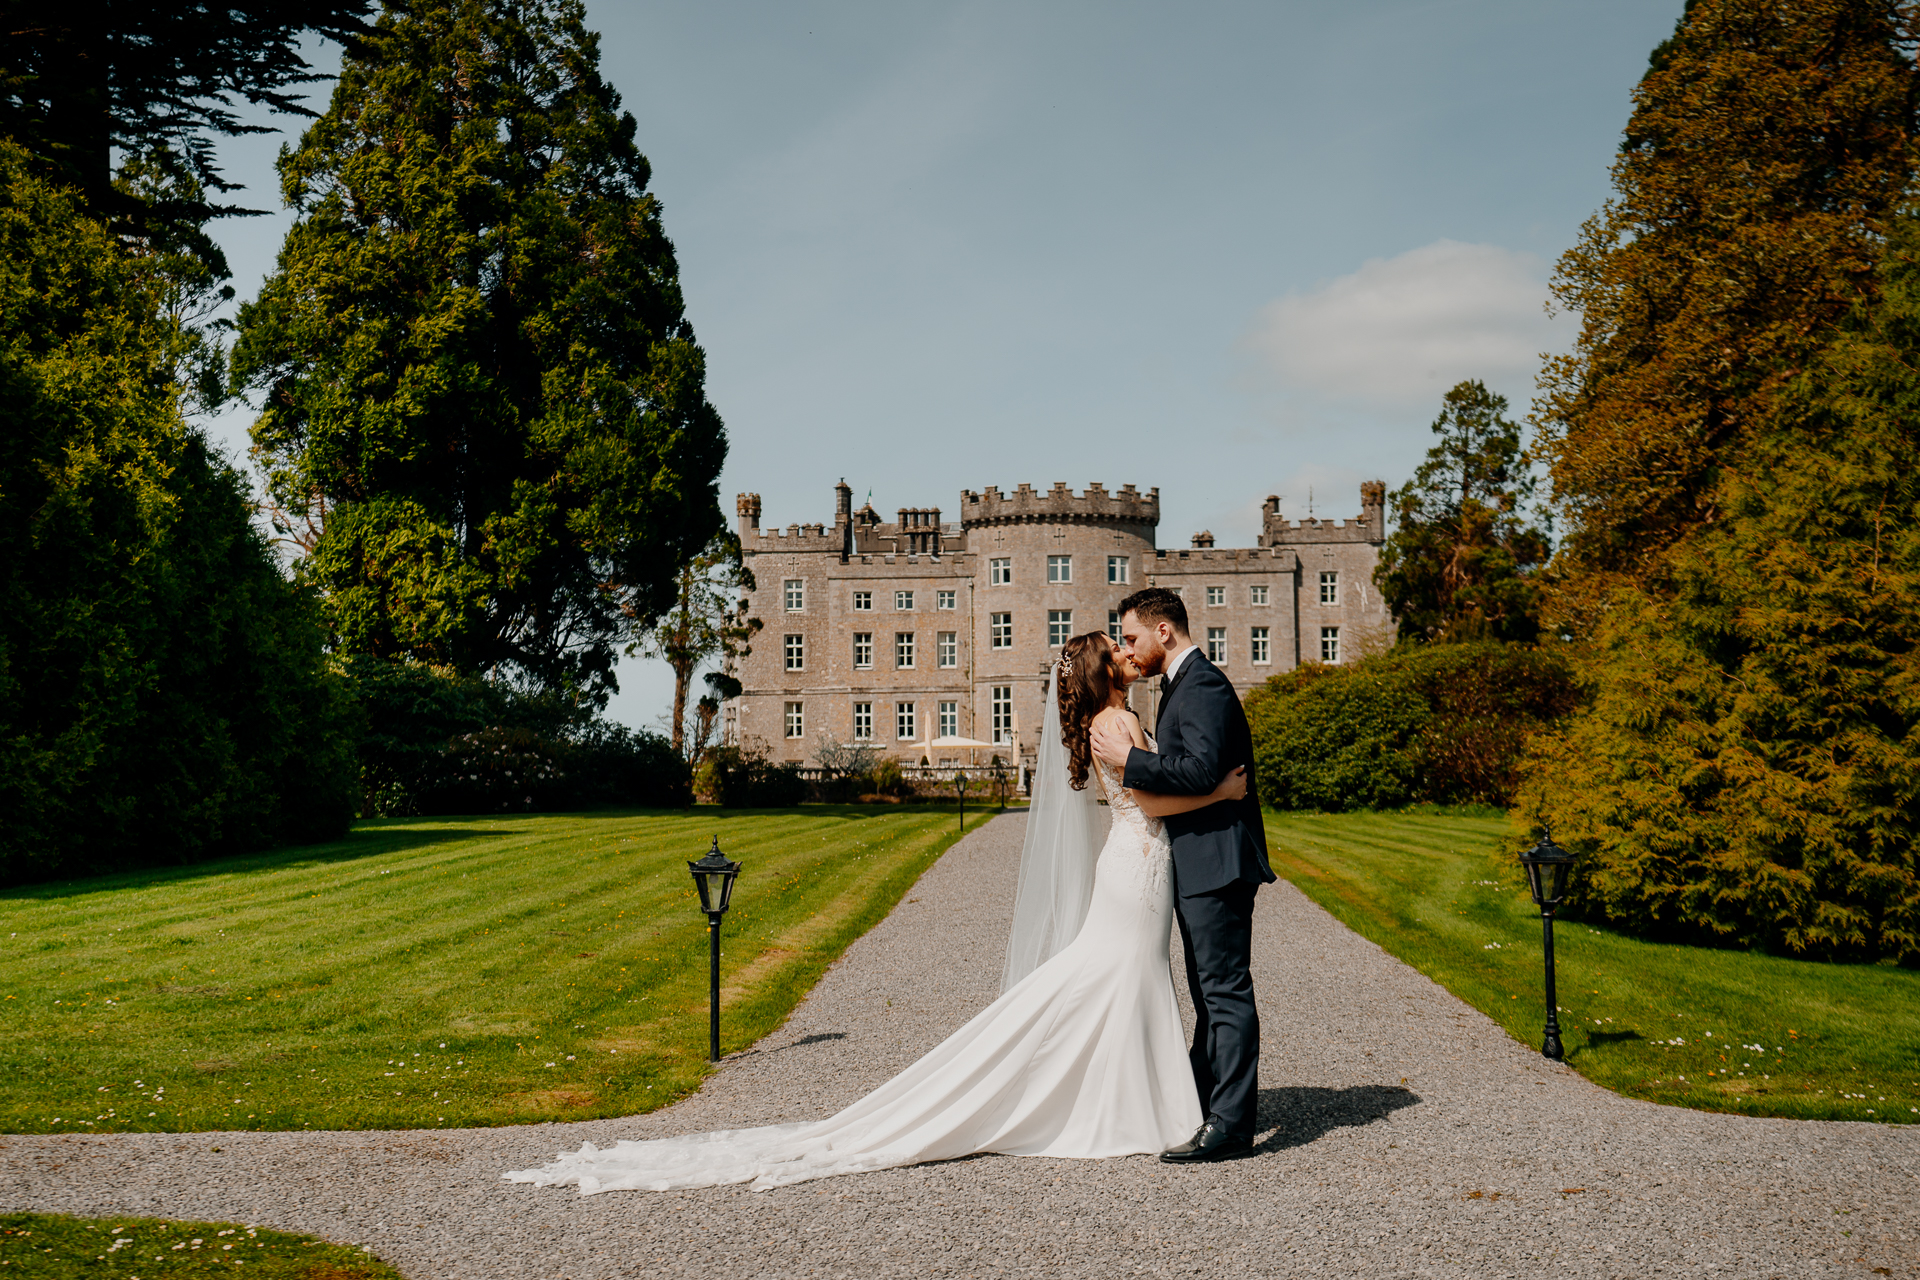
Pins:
x: 1208, y: 1144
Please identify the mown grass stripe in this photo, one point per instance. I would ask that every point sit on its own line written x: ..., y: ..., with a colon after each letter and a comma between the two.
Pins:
x: 295, y: 982
x: 1842, y: 1041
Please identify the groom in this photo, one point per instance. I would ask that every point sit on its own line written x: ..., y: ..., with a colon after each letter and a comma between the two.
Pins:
x: 1219, y: 860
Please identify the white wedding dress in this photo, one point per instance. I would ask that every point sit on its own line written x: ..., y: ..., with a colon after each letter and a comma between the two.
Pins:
x: 1083, y: 1058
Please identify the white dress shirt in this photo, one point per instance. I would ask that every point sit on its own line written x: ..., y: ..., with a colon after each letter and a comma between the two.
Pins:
x: 1179, y: 659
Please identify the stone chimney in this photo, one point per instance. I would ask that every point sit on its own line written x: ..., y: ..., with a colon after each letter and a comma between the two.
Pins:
x: 1373, y: 506
x: 1204, y: 538
x: 747, y: 506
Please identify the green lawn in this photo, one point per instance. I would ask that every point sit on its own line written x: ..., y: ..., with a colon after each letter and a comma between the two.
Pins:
x: 430, y: 973
x: 50, y: 1246
x: 1715, y: 1030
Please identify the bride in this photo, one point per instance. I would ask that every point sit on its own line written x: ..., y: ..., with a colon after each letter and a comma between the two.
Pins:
x: 1081, y: 1056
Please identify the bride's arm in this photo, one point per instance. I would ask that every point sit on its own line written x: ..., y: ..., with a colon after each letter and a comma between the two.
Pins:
x: 1159, y: 805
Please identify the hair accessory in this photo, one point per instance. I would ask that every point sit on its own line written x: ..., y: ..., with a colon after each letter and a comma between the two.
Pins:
x: 1064, y: 666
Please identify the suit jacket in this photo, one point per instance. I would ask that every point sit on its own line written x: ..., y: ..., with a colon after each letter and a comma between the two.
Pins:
x: 1202, y: 733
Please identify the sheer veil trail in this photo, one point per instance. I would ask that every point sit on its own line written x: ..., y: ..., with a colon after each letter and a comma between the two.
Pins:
x: 1063, y: 842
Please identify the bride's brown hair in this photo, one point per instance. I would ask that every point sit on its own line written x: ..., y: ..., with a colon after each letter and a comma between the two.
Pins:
x: 1084, y: 684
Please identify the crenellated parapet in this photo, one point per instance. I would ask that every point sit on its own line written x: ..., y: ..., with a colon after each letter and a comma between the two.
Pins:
x: 1370, y: 526
x: 1060, y: 505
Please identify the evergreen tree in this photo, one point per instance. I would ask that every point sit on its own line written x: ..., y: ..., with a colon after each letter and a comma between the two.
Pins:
x: 1749, y: 770
x: 479, y: 383
x: 163, y: 694
x: 78, y: 82
x: 1460, y: 562
x: 1768, y: 146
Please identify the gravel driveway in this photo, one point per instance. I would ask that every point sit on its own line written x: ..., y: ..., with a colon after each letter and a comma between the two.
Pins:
x: 1402, y: 1134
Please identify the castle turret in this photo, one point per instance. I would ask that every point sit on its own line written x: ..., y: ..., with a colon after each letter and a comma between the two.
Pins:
x: 1127, y: 508
x: 747, y: 507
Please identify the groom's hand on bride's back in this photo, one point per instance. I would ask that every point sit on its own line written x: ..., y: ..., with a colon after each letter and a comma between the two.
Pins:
x: 1112, y: 742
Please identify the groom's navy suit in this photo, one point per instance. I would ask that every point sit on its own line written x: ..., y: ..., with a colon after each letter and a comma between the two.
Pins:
x: 1219, y: 862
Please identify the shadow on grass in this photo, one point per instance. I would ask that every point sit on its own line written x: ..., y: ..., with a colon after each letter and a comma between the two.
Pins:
x: 367, y: 842
x: 1301, y: 1114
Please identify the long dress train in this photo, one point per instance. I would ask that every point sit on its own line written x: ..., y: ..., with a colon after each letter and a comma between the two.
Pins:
x: 1084, y: 1058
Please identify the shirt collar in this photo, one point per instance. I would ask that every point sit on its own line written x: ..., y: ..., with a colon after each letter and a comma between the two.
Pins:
x: 1179, y: 660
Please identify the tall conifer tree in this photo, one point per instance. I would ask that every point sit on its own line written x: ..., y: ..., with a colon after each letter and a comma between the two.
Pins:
x: 479, y: 383
x: 1768, y: 147
x: 1460, y: 565
x: 1733, y: 518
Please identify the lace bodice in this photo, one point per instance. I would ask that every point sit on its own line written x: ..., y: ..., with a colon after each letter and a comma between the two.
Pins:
x: 1121, y: 800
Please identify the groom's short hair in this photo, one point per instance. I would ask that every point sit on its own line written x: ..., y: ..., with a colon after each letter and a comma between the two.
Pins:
x: 1156, y: 604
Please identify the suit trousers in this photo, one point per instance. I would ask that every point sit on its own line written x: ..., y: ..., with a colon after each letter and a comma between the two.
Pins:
x: 1216, y: 933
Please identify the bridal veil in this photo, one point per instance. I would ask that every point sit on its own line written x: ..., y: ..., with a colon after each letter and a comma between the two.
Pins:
x: 1064, y: 835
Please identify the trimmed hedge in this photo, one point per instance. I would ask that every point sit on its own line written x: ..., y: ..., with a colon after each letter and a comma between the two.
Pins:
x: 1439, y: 724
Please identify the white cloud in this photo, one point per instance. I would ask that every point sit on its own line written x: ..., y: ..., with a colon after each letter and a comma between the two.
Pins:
x: 1400, y: 331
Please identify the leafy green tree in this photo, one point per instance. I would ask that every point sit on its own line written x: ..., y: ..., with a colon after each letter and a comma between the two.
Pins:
x: 163, y: 692
x: 1749, y: 769
x: 1460, y: 562
x: 479, y: 385
x: 707, y: 624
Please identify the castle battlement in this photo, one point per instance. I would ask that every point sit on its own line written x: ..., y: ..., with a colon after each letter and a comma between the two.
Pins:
x: 1370, y: 526
x: 1059, y: 505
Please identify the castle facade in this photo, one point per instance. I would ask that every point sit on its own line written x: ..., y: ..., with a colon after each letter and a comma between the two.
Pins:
x: 900, y: 633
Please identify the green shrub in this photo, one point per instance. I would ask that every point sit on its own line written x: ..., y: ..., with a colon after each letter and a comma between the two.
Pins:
x: 744, y: 778
x: 438, y: 742
x: 1436, y: 724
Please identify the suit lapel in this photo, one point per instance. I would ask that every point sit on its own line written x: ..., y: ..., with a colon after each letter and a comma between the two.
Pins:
x: 1178, y: 680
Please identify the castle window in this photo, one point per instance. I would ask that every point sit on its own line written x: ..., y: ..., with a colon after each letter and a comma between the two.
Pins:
x: 903, y: 650
x: 1059, y: 568
x: 796, y: 653
x: 1117, y: 568
x: 862, y: 601
x: 943, y: 599
x: 1257, y: 594
x: 903, y: 721
x: 1002, y: 714
x: 946, y: 649
x: 1113, y: 625
x: 1059, y: 627
x: 1329, y: 587
x: 863, y: 650
x: 999, y: 573
x: 903, y: 600
x: 1329, y: 644
x: 796, y: 720
x: 1262, y: 647
x: 949, y: 719
x: 1216, y: 644
x: 796, y: 594
x: 1002, y: 625
x: 862, y: 721
x: 1216, y: 595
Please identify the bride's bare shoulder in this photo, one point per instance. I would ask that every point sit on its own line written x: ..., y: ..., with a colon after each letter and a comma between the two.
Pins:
x: 1121, y: 716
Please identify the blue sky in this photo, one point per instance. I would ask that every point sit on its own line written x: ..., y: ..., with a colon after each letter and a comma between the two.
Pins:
x: 1225, y: 249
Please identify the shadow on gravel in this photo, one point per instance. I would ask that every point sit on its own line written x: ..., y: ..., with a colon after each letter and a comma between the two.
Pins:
x: 1301, y: 1114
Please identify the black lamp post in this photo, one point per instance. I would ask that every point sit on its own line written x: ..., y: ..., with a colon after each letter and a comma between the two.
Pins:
x: 713, y: 876
x: 1547, y: 865
x: 960, y: 784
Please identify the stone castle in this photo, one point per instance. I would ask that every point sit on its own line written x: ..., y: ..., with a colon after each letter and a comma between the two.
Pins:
x: 900, y: 633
